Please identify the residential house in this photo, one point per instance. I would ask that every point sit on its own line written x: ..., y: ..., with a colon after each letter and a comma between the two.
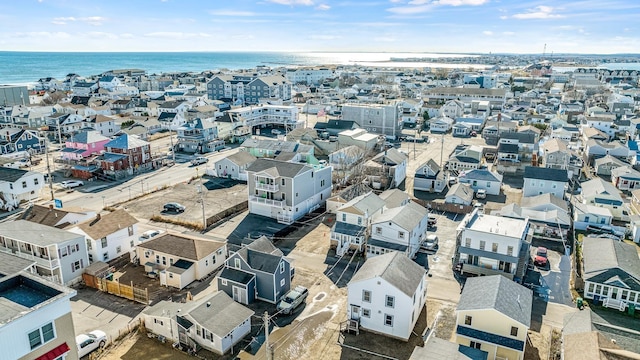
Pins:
x: 376, y: 119
x: 81, y: 88
x: 566, y: 133
x: 611, y: 272
x: 459, y: 193
x: 286, y: 191
x: 436, y: 349
x: 346, y: 195
x: 36, y: 318
x: 508, y: 158
x: 17, y: 139
x: 593, y: 134
x: 125, y: 154
x: 285, y: 116
x: 465, y: 157
x: 106, y: 125
x: 258, y: 270
x: 491, y: 245
x: 461, y: 130
x: 270, y: 148
x: 215, y: 322
x: 588, y: 214
x: 482, y: 179
x: 109, y: 82
x: 548, y: 215
x: 494, y: 130
x: 429, y: 177
x: 56, y: 217
x: 474, y: 122
x: 351, y: 229
x: 60, y: 255
x: 390, y: 165
x: 556, y: 155
x: 234, y: 166
x: 625, y: 178
x: 346, y: 158
x: 441, y: 124
x: 595, y: 149
x: 198, y: 136
x: 334, y: 127
x: 174, y: 107
x: 401, y: 229
x: 109, y: 236
x: 171, y: 121
x: 179, y: 259
x: 604, y: 165
x: 358, y: 137
x: 538, y: 180
x: 244, y: 89
x: 17, y: 185
x: 395, y: 198
x: 83, y: 145
x: 494, y: 315
x: 602, y: 123
x: 386, y: 295
x: 601, y: 193
x: 452, y: 109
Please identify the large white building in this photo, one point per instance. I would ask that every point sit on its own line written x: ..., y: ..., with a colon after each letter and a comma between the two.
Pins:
x: 308, y: 76
x: 491, y: 245
x: 376, y: 119
x: 258, y: 115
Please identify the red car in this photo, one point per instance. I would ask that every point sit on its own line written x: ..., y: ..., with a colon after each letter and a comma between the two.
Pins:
x: 541, y: 257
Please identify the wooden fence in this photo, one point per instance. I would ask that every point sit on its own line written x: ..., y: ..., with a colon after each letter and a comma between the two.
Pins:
x: 130, y: 292
x: 214, y: 220
x: 442, y: 206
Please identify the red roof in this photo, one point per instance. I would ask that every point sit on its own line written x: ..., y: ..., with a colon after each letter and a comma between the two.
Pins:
x: 55, y: 352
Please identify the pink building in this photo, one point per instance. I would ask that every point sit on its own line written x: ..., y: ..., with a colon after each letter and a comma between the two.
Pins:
x: 84, y: 144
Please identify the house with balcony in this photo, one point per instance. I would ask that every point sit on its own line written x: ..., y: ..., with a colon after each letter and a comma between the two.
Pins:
x: 493, y: 245
x: 401, y: 229
x: 109, y: 236
x: 598, y: 192
x: 351, y: 229
x: 36, y: 321
x: 258, y: 270
x: 595, y: 149
x: 106, y: 125
x: 482, y: 179
x: 60, y: 255
x: 84, y: 144
x: 286, y: 191
x: 285, y: 116
x: 199, y: 136
x: 494, y: 315
x: 214, y: 322
x: 604, y: 165
x: 611, y: 272
x: 508, y: 158
x: 386, y: 295
x: 429, y: 177
x: 625, y: 178
x: 17, y: 185
x: 270, y: 148
x: 465, y: 157
x: 539, y: 180
x: 179, y: 259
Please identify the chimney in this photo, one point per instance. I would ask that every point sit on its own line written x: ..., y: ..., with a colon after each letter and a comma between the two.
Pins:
x: 208, y: 304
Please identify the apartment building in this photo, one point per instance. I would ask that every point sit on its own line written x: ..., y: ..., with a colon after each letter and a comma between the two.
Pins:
x: 376, y: 119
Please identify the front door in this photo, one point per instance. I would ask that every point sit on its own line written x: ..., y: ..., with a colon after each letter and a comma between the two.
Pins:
x: 355, y: 312
x: 239, y: 295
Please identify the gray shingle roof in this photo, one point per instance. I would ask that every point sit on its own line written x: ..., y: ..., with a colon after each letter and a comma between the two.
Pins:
x: 601, y: 254
x: 366, y: 204
x: 11, y: 175
x: 395, y: 268
x: 37, y: 234
x: 281, y: 168
x: 407, y: 217
x: 481, y: 175
x: 220, y: 314
x: 241, y: 158
x: 534, y: 172
x: 499, y: 293
x: 182, y: 246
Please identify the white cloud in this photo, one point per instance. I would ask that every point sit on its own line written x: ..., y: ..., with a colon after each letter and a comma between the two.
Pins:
x: 422, y: 6
x: 126, y: 36
x: 410, y: 10
x: 539, y: 12
x: 324, y: 37
x: 42, y: 34
x: 232, y: 13
x: 323, y: 7
x: 508, y: 33
x: 385, y: 39
x: 91, y: 20
x: 292, y: 2
x: 176, y: 35
x: 462, y: 2
x: 487, y: 32
x: 102, y: 35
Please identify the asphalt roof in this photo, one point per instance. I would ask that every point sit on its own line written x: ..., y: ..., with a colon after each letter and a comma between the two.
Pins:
x: 125, y: 141
x: 236, y: 275
x: 220, y: 314
x: 182, y: 246
x: 481, y: 175
x: 34, y: 233
x: 88, y: 137
x: 395, y: 268
x: 241, y: 158
x: 541, y: 173
x: 508, y: 148
x: 498, y: 293
x: 107, y: 224
x: 10, y: 174
x: 601, y: 255
x: 279, y: 168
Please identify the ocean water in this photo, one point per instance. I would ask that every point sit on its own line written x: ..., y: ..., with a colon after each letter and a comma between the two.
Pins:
x: 28, y: 67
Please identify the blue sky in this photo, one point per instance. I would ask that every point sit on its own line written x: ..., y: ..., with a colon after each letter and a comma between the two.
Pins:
x: 583, y: 26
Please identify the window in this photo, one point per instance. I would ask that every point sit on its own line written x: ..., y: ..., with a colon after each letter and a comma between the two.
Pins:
x: 206, y: 262
x: 157, y: 259
x: 76, y: 266
x: 41, y: 336
x: 378, y: 230
x: 366, y: 313
x: 283, y: 182
x: 171, y: 275
x: 467, y: 320
x: 514, y: 331
x: 130, y: 228
x: 482, y: 244
x: 401, y: 234
x: 359, y: 220
x: 105, y: 256
x: 344, y: 217
x: 118, y: 249
x: 388, y: 320
x: 35, y: 181
x: 475, y: 345
x: 213, y: 260
x: 510, y: 250
x: 104, y: 242
x: 223, y: 282
x: 282, y: 282
x: 237, y: 263
x: 366, y: 296
x: 494, y: 247
x: 467, y: 242
x: 24, y: 184
x: 390, y: 301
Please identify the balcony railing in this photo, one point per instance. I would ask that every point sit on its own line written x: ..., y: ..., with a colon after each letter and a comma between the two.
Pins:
x: 479, y: 270
x: 44, y: 262
x: 285, y: 219
x: 265, y: 201
x: 267, y: 187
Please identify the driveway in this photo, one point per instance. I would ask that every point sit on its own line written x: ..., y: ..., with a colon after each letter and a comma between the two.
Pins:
x: 554, y: 279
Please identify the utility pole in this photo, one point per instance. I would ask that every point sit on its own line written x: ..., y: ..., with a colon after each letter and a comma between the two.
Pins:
x: 173, y: 151
x: 267, y: 347
x: 442, y: 152
x: 46, y: 154
x: 201, y: 190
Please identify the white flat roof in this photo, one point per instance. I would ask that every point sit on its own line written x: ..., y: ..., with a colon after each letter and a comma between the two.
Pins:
x: 497, y: 225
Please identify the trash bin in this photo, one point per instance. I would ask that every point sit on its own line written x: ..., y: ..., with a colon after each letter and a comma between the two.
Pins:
x: 579, y: 303
x: 632, y: 309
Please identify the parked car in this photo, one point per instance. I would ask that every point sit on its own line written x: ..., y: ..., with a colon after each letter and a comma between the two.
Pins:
x: 70, y: 184
x: 174, y: 207
x: 88, y: 343
x: 149, y: 234
x: 481, y: 194
x: 473, y: 134
x: 430, y: 243
x: 276, y: 132
x: 292, y: 299
x: 433, y: 221
x: 541, y: 257
x: 199, y: 160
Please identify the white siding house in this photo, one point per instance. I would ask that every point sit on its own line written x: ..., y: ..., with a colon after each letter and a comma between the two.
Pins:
x: 109, y: 236
x: 398, y: 229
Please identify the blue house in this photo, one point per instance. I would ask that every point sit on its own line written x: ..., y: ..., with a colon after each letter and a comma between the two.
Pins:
x: 258, y: 270
x: 198, y: 136
x: 14, y: 139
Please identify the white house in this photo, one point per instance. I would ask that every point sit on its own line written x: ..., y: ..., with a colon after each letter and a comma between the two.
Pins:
x: 234, y: 166
x: 391, y: 163
x: 109, y: 236
x: 386, y: 295
x: 215, y: 322
x: 459, y: 193
x: 180, y: 259
x: 588, y: 214
x: 440, y: 124
x: 351, y: 228
x: 493, y: 245
x: 401, y: 229
x: 428, y: 177
x: 482, y: 179
x: 18, y: 185
x: 452, y: 109
x: 601, y: 193
x: 57, y: 217
x: 625, y: 178
x: 539, y: 180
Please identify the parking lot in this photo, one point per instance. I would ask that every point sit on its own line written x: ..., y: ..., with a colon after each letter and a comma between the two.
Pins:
x: 551, y: 282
